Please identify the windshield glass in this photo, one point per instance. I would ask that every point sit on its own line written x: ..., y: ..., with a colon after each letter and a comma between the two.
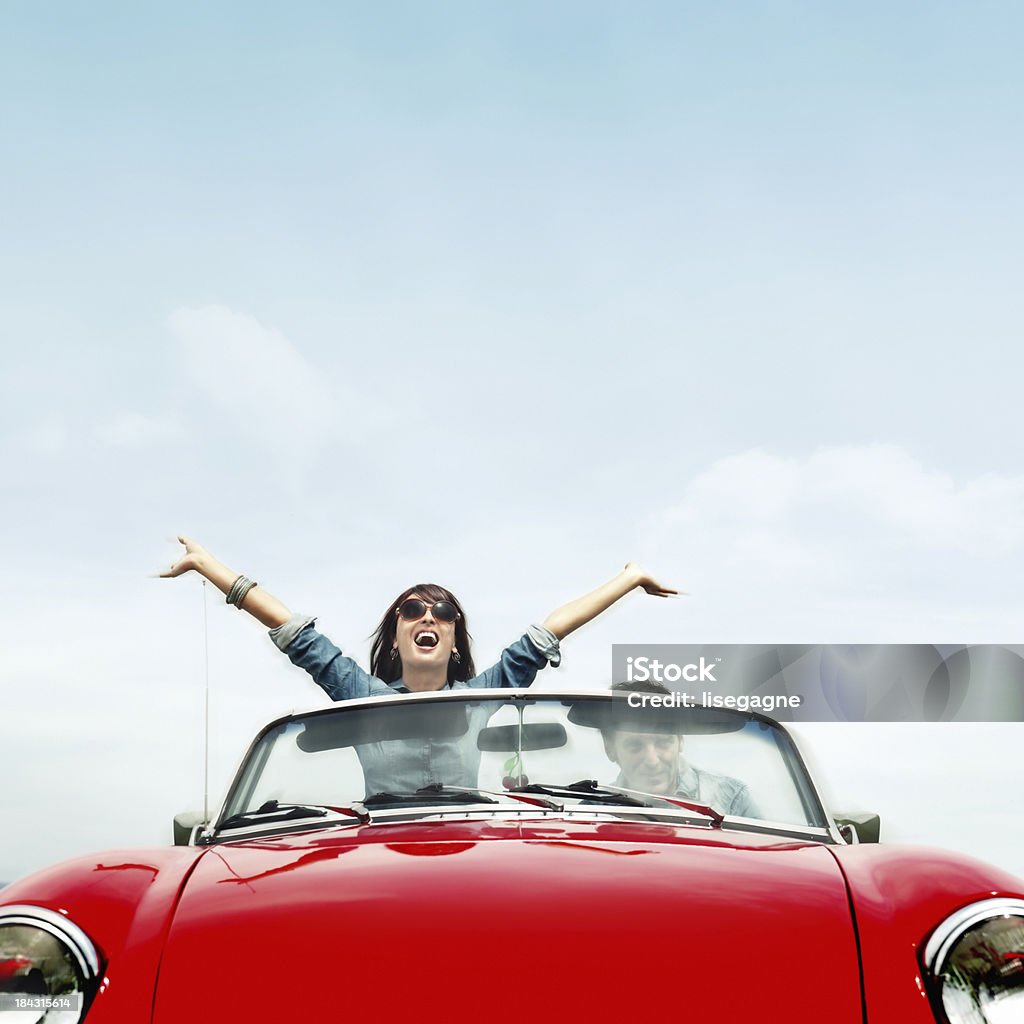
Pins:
x: 373, y: 751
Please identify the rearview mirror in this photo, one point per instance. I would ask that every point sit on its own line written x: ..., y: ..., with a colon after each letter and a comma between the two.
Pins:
x: 504, y: 739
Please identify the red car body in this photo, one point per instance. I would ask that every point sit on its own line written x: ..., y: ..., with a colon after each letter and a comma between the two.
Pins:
x: 513, y: 915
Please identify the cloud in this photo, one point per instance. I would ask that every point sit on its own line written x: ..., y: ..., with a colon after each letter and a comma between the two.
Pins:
x: 135, y: 430
x: 258, y: 380
x: 858, y: 543
x: 796, y: 504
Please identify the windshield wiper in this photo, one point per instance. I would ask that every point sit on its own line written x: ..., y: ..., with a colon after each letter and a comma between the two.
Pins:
x: 597, y: 793
x: 435, y: 793
x: 440, y: 793
x: 585, y: 788
x: 707, y: 810
x: 272, y: 811
x: 439, y: 787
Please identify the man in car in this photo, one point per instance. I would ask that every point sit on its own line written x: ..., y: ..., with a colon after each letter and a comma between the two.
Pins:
x: 653, y: 762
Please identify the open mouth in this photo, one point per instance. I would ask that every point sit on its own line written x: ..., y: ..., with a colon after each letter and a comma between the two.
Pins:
x: 428, y: 638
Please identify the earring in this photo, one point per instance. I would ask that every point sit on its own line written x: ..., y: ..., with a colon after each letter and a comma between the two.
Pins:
x: 394, y: 654
x: 456, y: 657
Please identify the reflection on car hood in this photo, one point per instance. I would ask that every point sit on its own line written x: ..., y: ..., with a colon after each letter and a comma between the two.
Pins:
x: 584, y: 917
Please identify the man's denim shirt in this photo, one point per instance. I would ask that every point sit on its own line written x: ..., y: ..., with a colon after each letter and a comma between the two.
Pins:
x: 401, y: 766
x: 722, y: 792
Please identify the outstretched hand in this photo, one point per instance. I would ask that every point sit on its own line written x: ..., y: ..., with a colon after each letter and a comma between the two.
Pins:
x: 194, y: 553
x: 258, y: 603
x: 647, y: 582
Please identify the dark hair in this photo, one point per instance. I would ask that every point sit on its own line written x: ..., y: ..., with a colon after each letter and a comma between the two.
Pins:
x: 383, y: 666
x: 645, y: 687
x: 636, y: 721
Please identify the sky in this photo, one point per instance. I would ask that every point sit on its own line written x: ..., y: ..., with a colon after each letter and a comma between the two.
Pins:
x: 501, y: 296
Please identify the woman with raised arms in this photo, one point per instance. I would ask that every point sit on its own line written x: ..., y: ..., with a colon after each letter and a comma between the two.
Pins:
x: 422, y: 641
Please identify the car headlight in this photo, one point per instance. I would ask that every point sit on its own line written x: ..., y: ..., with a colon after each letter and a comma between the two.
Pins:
x: 46, y: 962
x: 974, y: 962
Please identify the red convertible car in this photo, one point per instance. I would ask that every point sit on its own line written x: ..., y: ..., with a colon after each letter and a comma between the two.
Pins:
x: 506, y: 855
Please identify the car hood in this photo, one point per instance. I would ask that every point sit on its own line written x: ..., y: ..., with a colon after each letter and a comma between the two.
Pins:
x: 590, y: 918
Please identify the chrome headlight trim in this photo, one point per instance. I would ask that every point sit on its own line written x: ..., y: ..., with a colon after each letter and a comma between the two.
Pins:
x: 60, y: 928
x: 946, y: 936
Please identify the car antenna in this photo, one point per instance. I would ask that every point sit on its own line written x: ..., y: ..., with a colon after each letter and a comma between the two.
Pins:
x: 206, y: 715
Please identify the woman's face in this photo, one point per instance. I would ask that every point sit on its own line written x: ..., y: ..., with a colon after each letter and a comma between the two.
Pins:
x: 426, y: 641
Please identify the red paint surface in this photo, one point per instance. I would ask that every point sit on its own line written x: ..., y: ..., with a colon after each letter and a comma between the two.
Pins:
x: 900, y: 895
x: 492, y: 921
x: 508, y: 920
x: 124, y: 901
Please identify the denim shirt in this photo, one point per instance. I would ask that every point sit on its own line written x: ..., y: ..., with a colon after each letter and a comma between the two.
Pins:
x: 722, y: 792
x: 403, y: 766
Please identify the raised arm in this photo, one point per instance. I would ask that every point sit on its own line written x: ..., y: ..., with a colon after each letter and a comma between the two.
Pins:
x: 562, y: 621
x: 257, y: 602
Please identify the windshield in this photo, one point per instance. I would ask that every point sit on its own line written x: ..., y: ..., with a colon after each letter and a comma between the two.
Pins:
x: 378, y: 754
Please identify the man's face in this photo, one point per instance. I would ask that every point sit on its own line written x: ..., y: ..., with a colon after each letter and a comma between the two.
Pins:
x: 649, y: 760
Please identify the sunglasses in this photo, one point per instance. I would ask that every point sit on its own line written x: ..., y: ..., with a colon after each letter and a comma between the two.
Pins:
x: 413, y: 608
